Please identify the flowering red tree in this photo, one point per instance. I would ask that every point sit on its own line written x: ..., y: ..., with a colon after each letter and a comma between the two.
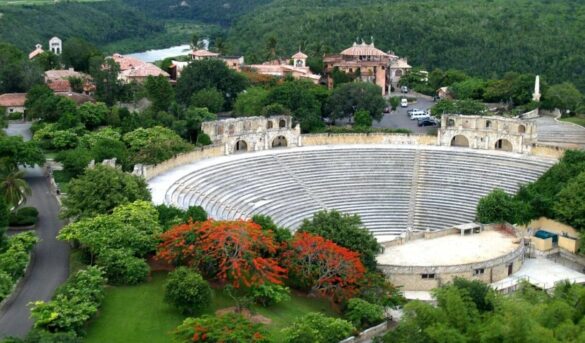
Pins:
x: 320, y: 265
x: 235, y: 249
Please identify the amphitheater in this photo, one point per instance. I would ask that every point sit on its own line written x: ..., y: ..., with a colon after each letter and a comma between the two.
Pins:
x: 393, y: 187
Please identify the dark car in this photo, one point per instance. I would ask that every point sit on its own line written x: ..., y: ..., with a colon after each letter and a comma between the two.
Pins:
x: 427, y: 122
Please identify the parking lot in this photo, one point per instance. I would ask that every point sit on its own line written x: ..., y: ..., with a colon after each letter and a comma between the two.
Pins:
x: 399, y: 118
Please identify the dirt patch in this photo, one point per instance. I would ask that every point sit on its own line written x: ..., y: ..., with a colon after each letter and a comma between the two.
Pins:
x: 254, y: 318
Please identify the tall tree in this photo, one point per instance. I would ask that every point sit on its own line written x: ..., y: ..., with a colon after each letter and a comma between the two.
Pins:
x: 349, y: 98
x: 321, y: 266
x: 210, y: 74
x: 232, y: 251
x: 77, y: 54
x: 101, y: 189
x: 346, y: 230
x: 160, y: 92
x: 14, y: 188
x: 105, y: 75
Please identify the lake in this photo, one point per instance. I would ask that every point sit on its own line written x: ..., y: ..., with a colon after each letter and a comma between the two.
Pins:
x: 161, y: 54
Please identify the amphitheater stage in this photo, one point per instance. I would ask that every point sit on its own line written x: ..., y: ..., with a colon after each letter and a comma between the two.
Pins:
x: 391, y: 187
x: 450, y: 250
x: 542, y: 273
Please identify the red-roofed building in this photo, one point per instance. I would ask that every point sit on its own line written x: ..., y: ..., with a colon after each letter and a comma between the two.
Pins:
x: 135, y: 70
x: 13, y: 102
x: 37, y: 51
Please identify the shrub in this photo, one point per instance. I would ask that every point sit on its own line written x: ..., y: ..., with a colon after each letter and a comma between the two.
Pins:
x: 268, y: 294
x: 24, y: 217
x: 203, y: 139
x: 187, y: 291
x: 316, y: 327
x: 6, y: 284
x: 362, y: 119
x: 363, y: 314
x: 122, y: 268
x: 228, y: 328
x: 74, y: 161
x: 195, y: 214
x: 74, y: 303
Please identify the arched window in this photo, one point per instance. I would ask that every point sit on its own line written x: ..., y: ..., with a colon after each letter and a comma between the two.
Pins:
x: 241, y: 146
x: 451, y: 122
x: 460, y: 140
x: 503, y: 144
x: 521, y: 129
x: 282, y: 123
x: 269, y: 124
x: 398, y: 72
x: 279, y: 142
x: 231, y: 129
x: 488, y: 124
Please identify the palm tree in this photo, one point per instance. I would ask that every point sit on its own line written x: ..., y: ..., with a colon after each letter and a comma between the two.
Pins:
x: 13, y: 188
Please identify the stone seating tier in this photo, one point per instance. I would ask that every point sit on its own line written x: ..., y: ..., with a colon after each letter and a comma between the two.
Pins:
x: 391, y: 189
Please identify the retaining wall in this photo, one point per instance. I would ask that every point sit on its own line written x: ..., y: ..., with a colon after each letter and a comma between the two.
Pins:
x: 367, y: 138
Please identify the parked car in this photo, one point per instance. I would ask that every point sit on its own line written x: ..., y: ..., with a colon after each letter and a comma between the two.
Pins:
x: 404, y: 102
x: 428, y: 121
x: 404, y: 89
x: 413, y: 110
x: 418, y: 114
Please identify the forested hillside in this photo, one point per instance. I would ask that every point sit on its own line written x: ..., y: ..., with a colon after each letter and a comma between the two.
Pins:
x: 482, y: 37
x: 209, y: 11
x: 98, y: 22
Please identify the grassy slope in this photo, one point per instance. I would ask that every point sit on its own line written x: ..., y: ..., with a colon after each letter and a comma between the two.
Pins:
x: 139, y: 314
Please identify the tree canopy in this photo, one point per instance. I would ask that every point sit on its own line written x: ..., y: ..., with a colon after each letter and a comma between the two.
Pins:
x: 101, y: 189
x: 346, y: 230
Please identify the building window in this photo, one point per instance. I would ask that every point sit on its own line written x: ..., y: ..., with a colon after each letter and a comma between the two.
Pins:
x: 478, y: 271
x: 521, y: 129
x: 269, y: 125
x: 488, y: 124
x: 451, y: 123
x: 428, y: 276
x: 282, y: 123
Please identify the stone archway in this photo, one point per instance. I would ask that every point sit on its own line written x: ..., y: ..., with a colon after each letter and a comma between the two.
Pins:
x: 460, y: 141
x: 504, y: 145
x: 279, y: 142
x: 241, y: 146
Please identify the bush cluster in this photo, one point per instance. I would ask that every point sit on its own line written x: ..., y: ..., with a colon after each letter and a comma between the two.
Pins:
x: 77, y: 301
x: 14, y: 259
x: 24, y: 217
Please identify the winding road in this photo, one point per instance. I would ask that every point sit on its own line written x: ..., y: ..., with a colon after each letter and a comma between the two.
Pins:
x: 50, y: 265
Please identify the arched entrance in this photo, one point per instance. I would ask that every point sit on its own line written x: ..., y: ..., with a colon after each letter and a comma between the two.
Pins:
x: 241, y: 146
x: 460, y: 140
x: 279, y: 142
x: 504, y: 144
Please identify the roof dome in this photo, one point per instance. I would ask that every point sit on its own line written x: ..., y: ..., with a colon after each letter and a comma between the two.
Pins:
x: 363, y: 49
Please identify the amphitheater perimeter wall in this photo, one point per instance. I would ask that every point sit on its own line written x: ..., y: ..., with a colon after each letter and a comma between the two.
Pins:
x: 148, y: 172
x: 367, y: 138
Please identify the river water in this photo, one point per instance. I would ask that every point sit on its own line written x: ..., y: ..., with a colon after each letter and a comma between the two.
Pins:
x: 161, y: 54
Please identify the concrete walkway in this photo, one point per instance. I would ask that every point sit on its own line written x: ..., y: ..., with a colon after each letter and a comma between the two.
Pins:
x: 552, y: 131
x: 49, y: 267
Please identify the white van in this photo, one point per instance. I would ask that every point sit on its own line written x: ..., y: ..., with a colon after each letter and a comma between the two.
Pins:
x: 418, y: 114
x: 404, y: 102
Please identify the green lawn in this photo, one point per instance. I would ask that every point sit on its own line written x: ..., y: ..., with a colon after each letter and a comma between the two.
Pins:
x: 139, y: 314
x: 575, y: 120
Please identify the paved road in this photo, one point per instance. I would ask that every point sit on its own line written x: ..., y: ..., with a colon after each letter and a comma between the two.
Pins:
x: 50, y: 266
x: 399, y: 117
x: 19, y: 129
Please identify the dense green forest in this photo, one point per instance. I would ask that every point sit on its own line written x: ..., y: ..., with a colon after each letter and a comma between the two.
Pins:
x: 482, y: 37
x: 485, y: 38
x: 208, y: 11
x: 98, y: 22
